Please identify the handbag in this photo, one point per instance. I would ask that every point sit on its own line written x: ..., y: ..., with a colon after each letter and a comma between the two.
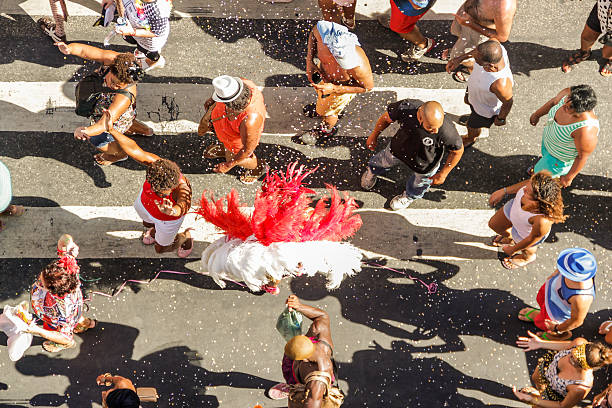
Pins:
x: 298, y: 393
x: 89, y: 89
x: 289, y: 324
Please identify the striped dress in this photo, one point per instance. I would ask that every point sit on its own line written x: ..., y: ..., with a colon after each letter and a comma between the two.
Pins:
x: 558, y: 140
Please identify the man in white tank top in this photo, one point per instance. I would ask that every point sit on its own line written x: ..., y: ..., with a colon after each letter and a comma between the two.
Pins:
x: 489, y: 91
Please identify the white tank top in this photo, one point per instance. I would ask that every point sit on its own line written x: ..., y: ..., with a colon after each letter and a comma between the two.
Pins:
x: 519, y: 217
x: 485, y: 102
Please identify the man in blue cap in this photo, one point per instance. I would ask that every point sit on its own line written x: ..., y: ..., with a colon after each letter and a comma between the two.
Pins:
x: 6, y: 195
x: 565, y: 297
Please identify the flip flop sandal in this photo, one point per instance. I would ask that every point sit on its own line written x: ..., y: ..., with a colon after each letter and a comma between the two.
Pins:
x: 251, y: 176
x: 575, y: 59
x: 526, y: 315
x: 147, y: 239
x: 553, y: 337
x: 508, y: 263
x: 15, y: 210
x: 184, y: 253
x: 497, y: 241
x: 53, y: 347
x: 607, y: 67
x: 86, y: 325
x: 605, y: 327
x: 279, y: 391
x: 463, y: 71
x: 102, y: 162
x: 215, y: 151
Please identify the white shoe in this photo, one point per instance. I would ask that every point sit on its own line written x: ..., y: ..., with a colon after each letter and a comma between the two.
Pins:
x: 161, y: 62
x: 400, y: 202
x: 368, y: 180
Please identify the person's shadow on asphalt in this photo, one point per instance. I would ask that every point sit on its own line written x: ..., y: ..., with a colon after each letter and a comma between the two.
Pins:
x: 173, y: 371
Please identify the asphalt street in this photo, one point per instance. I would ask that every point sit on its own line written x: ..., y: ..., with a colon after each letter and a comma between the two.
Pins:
x: 396, y: 344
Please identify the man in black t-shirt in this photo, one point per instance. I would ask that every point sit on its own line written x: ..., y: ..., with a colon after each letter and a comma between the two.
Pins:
x: 424, y: 135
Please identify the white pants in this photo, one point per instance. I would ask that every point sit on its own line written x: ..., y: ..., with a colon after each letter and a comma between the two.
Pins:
x: 165, y: 231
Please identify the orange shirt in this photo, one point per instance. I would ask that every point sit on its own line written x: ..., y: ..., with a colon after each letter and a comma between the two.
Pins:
x: 228, y: 131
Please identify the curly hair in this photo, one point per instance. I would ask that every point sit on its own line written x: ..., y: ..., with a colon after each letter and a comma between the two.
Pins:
x: 242, y: 101
x: 163, y: 175
x: 122, y: 66
x: 597, y: 354
x: 547, y: 191
x: 58, y: 280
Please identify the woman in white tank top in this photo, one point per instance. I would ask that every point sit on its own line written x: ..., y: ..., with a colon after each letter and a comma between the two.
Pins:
x: 526, y: 220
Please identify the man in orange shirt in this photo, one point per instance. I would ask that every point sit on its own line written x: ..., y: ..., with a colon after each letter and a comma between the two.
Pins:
x: 238, y: 118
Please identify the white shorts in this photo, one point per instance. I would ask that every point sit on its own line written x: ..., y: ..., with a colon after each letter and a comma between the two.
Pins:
x: 165, y: 231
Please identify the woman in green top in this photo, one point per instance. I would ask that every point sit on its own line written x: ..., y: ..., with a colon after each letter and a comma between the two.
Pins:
x: 570, y: 134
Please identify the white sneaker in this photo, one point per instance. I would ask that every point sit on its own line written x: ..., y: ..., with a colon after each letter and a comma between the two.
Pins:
x: 368, y: 180
x: 400, y: 202
x: 161, y: 62
x: 414, y: 53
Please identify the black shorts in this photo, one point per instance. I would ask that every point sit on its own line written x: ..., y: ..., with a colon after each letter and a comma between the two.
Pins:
x: 593, y: 21
x: 152, y: 55
x: 475, y: 121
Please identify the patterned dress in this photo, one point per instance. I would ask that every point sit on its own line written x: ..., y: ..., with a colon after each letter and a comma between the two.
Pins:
x: 59, y: 314
x: 124, y: 122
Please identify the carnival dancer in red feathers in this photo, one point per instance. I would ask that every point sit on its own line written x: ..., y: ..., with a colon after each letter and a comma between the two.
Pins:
x: 284, y: 236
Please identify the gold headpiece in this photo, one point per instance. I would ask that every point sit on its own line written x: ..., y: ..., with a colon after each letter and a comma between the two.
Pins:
x: 580, y: 355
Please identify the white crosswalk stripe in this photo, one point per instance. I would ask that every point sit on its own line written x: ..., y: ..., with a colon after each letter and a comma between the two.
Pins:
x: 442, y: 10
x: 177, y: 108
x: 115, y: 232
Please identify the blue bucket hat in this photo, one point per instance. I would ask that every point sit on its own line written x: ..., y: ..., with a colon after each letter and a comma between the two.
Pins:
x: 577, y: 264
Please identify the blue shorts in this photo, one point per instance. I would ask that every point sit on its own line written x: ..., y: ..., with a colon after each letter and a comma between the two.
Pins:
x: 515, y: 235
x: 101, y: 140
x: 548, y: 162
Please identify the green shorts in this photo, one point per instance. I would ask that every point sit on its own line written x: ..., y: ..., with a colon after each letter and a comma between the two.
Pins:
x: 548, y: 162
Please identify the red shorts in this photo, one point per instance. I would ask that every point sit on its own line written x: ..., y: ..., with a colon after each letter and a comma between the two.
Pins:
x: 543, y: 315
x: 401, y: 23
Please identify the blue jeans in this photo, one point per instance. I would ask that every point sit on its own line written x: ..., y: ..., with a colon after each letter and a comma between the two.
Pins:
x: 101, y: 140
x: 416, y: 185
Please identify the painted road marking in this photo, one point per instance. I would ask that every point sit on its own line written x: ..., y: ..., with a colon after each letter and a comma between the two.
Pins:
x: 114, y: 232
x: 177, y: 108
x: 253, y: 9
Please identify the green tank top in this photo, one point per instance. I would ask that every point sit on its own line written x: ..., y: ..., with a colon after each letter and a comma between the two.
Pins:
x: 558, y: 140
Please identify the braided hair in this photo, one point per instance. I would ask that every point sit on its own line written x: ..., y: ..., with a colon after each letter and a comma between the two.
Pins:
x: 547, y: 191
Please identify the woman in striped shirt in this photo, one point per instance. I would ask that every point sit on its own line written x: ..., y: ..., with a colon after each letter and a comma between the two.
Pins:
x: 570, y: 134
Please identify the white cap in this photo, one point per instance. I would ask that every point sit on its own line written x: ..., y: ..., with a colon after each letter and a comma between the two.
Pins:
x: 227, y: 88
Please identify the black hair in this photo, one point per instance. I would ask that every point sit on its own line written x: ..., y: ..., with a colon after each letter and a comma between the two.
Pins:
x: 582, y: 98
x: 491, y: 52
x: 163, y: 174
x: 122, y: 398
x: 242, y: 101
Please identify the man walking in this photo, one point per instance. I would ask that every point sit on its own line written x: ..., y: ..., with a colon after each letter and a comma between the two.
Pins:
x: 425, y: 134
x: 309, y: 361
x: 489, y: 90
x: 477, y: 21
x: 403, y: 19
x: 343, y: 71
x: 238, y: 115
x: 570, y: 134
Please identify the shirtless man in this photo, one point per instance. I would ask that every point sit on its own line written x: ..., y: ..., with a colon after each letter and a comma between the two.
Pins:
x: 307, y: 354
x: 477, y: 21
x: 343, y: 70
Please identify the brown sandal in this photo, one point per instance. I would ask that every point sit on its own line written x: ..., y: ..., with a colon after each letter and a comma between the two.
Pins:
x: 85, y: 325
x: 214, y: 151
x: 574, y: 59
x: 100, y: 160
x: 250, y: 176
x: 53, y: 347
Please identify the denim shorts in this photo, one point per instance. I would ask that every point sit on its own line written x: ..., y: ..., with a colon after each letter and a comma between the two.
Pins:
x: 101, y: 140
